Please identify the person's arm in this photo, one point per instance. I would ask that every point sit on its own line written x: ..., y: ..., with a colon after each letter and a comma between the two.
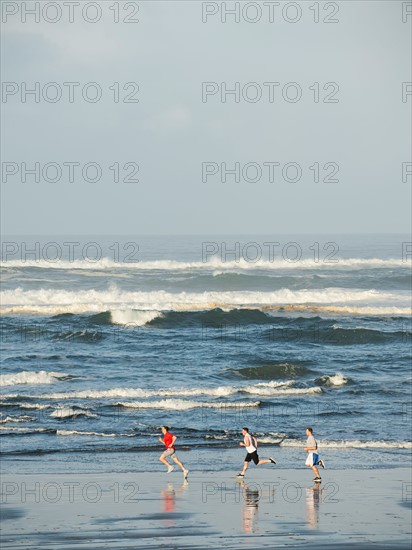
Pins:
x: 161, y: 440
x: 244, y: 444
x: 255, y: 441
x: 173, y: 441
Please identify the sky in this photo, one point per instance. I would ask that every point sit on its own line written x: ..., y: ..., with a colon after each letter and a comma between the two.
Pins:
x: 314, y: 139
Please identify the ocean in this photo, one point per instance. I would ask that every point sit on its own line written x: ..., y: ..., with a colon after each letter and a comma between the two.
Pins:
x: 105, y: 339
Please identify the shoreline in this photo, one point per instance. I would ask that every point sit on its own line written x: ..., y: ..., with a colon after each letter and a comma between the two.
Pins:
x: 199, y: 459
x: 270, y: 508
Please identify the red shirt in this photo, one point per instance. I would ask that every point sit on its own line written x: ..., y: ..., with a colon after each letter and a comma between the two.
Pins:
x: 168, y: 438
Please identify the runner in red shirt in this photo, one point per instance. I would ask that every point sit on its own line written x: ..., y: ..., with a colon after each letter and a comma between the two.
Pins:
x: 169, y: 441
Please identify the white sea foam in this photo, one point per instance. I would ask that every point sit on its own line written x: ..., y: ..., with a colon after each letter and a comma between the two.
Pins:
x: 268, y: 391
x: 8, y: 429
x: 17, y: 419
x: 53, y: 301
x: 213, y: 263
x: 132, y: 317
x: 68, y: 412
x: 336, y: 380
x: 274, y: 438
x: 273, y: 388
x: 35, y: 406
x: 31, y: 377
x: 76, y: 432
x: 182, y: 405
x: 354, y: 310
x: 343, y: 444
x: 270, y: 440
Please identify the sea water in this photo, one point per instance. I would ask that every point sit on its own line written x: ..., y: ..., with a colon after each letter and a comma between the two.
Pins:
x: 105, y: 339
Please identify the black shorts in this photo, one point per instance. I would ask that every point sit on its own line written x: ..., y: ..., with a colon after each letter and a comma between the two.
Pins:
x: 252, y: 456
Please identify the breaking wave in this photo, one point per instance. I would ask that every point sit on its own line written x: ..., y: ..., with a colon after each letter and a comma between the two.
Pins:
x: 183, y: 405
x: 68, y: 412
x: 131, y: 317
x: 215, y: 264
x: 335, y: 380
x: 17, y: 419
x: 344, y: 444
x: 272, y: 388
x: 338, y: 300
x: 76, y: 432
x: 31, y: 377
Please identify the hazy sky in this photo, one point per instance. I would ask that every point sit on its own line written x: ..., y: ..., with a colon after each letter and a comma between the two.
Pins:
x: 364, y: 136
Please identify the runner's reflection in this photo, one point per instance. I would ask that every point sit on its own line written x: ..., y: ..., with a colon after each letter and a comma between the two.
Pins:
x: 312, y: 505
x: 169, y: 501
x: 251, y: 496
x: 169, y: 498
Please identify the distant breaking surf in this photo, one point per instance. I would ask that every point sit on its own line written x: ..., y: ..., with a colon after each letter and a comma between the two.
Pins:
x: 173, y: 265
x: 153, y: 303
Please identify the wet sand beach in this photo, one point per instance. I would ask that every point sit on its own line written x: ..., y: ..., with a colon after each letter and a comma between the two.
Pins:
x: 271, y: 508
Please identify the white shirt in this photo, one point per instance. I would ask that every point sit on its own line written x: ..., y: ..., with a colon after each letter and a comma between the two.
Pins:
x: 248, y: 443
x: 311, y: 442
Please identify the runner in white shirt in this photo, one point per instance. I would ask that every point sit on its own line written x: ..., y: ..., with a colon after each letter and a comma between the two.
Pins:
x: 250, y: 442
x: 313, y: 460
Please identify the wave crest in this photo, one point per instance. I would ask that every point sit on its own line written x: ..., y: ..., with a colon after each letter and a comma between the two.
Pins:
x: 338, y: 300
x: 334, y: 380
x: 31, y: 377
x: 272, y: 388
x: 213, y: 264
x: 76, y: 432
x: 68, y: 412
x: 343, y: 444
x: 183, y: 405
x: 17, y: 419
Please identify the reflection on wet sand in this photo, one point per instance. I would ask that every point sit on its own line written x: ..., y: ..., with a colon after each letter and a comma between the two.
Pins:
x: 312, y: 505
x: 251, y: 496
x: 169, y: 498
x: 168, y: 495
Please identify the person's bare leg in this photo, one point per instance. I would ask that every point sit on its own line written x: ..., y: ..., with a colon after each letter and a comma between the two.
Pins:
x: 315, y: 471
x: 165, y: 462
x: 245, y: 467
x: 179, y: 463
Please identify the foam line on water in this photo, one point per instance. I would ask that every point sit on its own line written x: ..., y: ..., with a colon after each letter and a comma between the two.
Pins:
x: 343, y: 444
x: 213, y: 264
x: 68, y: 412
x: 334, y: 380
x: 31, y: 377
x: 17, y: 419
x: 272, y: 388
x: 133, y: 317
x: 152, y: 303
x: 99, y: 434
x: 182, y: 405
